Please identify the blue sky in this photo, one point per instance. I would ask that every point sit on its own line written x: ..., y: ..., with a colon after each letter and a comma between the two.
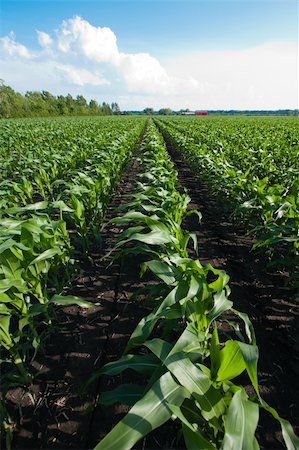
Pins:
x: 182, y: 39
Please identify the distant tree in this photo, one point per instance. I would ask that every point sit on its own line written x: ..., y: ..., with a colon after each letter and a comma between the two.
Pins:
x: 115, y: 108
x: 50, y: 102
x: 93, y: 107
x: 80, y: 105
x: 106, y: 109
x: 12, y: 104
x: 149, y: 111
x: 35, y: 103
x: 61, y: 105
x: 165, y: 112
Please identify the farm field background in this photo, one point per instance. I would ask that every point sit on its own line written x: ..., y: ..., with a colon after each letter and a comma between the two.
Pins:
x: 63, y: 304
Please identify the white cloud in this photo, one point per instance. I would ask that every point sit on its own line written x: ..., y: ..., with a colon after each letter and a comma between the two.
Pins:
x: 80, y: 37
x: 13, y: 48
x: 262, y: 77
x: 44, y: 39
x: 80, y: 77
x: 80, y: 54
x: 140, y: 71
x: 143, y: 73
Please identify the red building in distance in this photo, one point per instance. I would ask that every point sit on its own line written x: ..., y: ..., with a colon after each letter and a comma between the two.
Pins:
x: 201, y: 113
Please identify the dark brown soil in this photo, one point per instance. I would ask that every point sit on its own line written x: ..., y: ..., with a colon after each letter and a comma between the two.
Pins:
x: 58, y: 416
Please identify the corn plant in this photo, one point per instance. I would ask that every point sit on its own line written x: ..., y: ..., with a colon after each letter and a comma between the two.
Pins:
x: 56, y: 178
x: 254, y: 163
x: 190, y: 380
x: 35, y: 259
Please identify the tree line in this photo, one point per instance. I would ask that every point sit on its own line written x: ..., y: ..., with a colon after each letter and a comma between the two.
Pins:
x: 35, y: 103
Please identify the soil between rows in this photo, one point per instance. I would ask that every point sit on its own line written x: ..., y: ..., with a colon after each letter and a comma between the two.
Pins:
x: 86, y: 339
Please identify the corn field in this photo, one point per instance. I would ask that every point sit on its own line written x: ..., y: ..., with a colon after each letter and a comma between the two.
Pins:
x: 84, y: 201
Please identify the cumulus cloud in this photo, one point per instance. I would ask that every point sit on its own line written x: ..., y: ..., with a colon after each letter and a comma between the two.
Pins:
x: 80, y: 37
x: 141, y: 72
x: 81, y: 54
x: 44, y: 39
x: 81, y: 48
x: 80, y: 77
x: 13, y: 48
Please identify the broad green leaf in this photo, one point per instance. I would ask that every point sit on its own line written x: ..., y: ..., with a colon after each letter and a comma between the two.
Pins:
x: 47, y: 254
x: 159, y: 347
x: 32, y: 207
x: 65, y: 300
x: 125, y: 393
x: 221, y: 304
x: 7, y: 244
x: 146, y: 415
x: 195, y: 441
x: 250, y: 355
x: 231, y: 361
x: 215, y: 353
x: 248, y: 326
x: 140, y: 363
x: 161, y: 270
x: 155, y: 237
x: 19, y: 284
x: 222, y: 278
x: 5, y: 338
x: 61, y: 205
x: 240, y: 424
x: 197, y: 383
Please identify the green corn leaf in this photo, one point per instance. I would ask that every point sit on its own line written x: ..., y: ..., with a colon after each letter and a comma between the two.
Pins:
x: 248, y: 326
x: 18, y: 284
x: 161, y: 270
x: 140, y: 363
x: 159, y: 347
x: 195, y: 440
x: 221, y: 304
x: 157, y: 236
x: 198, y: 384
x: 65, y: 300
x: 5, y: 338
x: 231, y: 361
x: 61, y: 205
x: 146, y: 415
x: 128, y: 394
x: 47, y: 254
x: 189, y: 375
x: 291, y: 440
x: 250, y: 355
x: 222, y: 278
x: 215, y: 353
x: 240, y: 424
x: 7, y: 244
x: 32, y: 207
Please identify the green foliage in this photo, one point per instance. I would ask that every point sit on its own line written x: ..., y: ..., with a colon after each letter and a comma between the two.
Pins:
x: 56, y: 178
x: 190, y: 379
x: 254, y: 164
x: 41, y: 104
